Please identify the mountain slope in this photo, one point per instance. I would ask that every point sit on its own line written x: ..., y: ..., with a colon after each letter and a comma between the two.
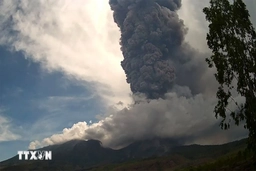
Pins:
x: 81, y: 155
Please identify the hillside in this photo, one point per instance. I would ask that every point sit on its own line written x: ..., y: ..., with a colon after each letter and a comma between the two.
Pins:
x: 156, y: 154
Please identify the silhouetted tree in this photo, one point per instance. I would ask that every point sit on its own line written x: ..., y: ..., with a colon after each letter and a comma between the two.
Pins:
x: 232, y: 39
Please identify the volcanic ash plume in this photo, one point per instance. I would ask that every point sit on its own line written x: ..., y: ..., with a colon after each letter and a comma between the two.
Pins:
x: 156, y: 59
x: 151, y: 35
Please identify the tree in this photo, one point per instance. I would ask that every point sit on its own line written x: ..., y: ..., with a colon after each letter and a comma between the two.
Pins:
x: 232, y: 39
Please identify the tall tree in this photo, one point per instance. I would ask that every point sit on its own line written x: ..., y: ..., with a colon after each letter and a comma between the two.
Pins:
x: 232, y: 39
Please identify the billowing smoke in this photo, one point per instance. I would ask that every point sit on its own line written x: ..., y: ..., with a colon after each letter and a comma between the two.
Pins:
x: 158, y: 63
x: 184, y: 118
x: 81, y: 40
x: 151, y: 41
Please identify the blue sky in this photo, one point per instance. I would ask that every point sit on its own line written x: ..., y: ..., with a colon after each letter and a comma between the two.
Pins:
x: 56, y: 70
x: 60, y: 65
x: 39, y: 104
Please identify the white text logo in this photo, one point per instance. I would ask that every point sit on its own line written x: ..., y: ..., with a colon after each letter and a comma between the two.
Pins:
x: 35, y: 155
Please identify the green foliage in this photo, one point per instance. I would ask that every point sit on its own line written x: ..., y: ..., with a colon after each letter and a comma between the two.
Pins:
x: 232, y: 39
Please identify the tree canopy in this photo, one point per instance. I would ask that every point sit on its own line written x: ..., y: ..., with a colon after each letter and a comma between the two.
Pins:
x: 232, y: 39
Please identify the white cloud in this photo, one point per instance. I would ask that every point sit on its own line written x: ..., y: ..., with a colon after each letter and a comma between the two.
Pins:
x: 6, y: 133
x: 76, y: 132
x: 77, y: 37
x: 80, y: 38
x: 192, y: 14
x: 55, y: 113
x: 185, y: 118
x: 194, y: 18
x: 60, y: 103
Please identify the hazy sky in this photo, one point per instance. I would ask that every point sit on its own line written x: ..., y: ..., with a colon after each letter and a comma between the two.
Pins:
x: 60, y: 67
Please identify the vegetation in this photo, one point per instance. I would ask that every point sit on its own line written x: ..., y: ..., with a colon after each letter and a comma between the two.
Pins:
x: 232, y: 39
x: 241, y: 160
x: 229, y: 156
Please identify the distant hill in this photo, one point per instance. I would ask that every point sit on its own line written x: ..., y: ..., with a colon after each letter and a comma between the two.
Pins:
x: 91, y: 155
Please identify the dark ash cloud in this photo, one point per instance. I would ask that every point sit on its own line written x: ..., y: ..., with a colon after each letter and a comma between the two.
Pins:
x: 169, y: 79
x: 152, y: 43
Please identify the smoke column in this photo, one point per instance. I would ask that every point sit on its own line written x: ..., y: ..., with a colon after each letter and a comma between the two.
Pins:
x: 151, y: 37
x: 156, y: 60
